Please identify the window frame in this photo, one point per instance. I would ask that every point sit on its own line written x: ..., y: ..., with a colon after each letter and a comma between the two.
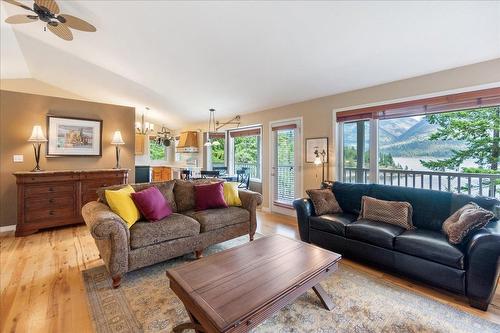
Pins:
x: 231, y: 154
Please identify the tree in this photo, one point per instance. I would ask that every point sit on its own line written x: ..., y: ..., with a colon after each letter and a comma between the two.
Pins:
x: 478, y: 128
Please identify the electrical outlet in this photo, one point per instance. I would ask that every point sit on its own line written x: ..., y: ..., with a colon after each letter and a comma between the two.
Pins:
x: 18, y: 158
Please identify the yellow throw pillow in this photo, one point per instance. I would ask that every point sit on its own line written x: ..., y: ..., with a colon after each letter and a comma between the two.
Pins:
x: 231, y: 195
x: 121, y: 203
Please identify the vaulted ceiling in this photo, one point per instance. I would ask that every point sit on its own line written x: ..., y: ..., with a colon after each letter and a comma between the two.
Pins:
x: 181, y: 58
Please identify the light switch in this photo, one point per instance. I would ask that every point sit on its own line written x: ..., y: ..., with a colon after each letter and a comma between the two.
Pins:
x: 18, y: 158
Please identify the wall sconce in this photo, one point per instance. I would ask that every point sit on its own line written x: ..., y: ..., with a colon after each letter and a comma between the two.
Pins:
x: 320, y: 161
x: 37, y: 138
x: 117, y: 141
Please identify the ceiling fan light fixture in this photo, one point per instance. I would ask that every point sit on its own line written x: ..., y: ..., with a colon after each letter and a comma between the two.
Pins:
x: 48, y: 11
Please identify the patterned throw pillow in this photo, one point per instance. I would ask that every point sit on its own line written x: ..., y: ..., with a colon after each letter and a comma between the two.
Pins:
x: 324, y: 201
x: 464, y: 220
x: 393, y: 212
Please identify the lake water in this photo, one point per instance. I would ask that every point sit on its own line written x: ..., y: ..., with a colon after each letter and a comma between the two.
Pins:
x: 413, y: 163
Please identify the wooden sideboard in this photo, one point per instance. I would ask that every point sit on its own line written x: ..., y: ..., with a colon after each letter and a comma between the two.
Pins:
x: 54, y: 198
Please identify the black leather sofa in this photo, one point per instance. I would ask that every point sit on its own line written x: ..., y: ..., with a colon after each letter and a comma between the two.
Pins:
x: 470, y: 269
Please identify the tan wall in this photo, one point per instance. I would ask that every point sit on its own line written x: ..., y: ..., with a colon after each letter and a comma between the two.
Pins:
x: 317, y: 114
x: 20, y: 111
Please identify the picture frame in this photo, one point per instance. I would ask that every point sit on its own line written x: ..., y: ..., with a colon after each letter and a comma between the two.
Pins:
x: 316, y: 143
x: 68, y: 136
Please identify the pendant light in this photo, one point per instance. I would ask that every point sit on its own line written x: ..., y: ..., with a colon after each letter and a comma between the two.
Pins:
x: 144, y: 127
x: 211, y: 123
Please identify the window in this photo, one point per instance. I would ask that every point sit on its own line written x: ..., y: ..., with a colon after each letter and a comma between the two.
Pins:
x: 156, y: 150
x: 246, y: 151
x: 218, y: 152
x: 447, y: 143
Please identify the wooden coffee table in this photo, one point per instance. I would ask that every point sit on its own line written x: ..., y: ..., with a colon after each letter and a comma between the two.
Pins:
x: 237, y: 289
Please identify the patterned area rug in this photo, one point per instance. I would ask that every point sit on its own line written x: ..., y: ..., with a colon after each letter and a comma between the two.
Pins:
x: 145, y: 303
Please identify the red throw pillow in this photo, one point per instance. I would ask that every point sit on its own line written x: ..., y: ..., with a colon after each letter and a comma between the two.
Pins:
x: 209, y: 196
x: 152, y: 204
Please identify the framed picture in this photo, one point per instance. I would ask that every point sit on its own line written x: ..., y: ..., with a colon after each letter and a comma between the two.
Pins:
x: 313, y: 144
x: 74, y: 136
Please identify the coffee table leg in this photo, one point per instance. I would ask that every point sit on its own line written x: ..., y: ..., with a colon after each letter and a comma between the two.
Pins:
x: 323, y: 297
x: 193, y: 325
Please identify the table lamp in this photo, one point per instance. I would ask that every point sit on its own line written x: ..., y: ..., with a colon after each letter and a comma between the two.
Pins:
x: 37, y: 138
x: 117, y: 141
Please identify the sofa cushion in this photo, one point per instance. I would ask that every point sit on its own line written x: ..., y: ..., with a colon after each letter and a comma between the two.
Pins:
x: 184, y: 193
x: 209, y: 196
x: 393, y: 212
x: 332, y: 223
x: 430, y: 245
x: 430, y: 208
x: 324, y: 201
x: 212, y: 219
x: 375, y: 233
x: 468, y: 218
x: 172, y: 227
x: 166, y: 188
x: 349, y: 196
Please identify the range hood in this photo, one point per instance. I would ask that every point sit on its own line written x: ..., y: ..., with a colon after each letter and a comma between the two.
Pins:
x: 188, y: 142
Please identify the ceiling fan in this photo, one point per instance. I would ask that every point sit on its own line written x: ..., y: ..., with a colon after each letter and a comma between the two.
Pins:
x: 48, y: 11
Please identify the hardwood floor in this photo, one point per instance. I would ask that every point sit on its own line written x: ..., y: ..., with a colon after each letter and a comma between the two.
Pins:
x: 42, y: 287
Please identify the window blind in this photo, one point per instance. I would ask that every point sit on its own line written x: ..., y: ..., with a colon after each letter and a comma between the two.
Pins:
x: 246, y: 132
x: 446, y: 103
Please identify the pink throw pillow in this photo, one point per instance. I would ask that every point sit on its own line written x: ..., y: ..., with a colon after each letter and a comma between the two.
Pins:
x: 152, y: 204
x: 209, y: 196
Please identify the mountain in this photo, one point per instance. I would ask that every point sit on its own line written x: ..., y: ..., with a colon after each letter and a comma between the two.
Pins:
x: 389, y: 130
x: 405, y: 137
x: 421, y: 130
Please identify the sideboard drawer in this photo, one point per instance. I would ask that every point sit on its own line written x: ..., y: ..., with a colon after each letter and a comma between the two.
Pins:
x: 33, y: 215
x: 108, y: 174
x: 49, y: 189
x: 51, y: 202
x: 35, y: 179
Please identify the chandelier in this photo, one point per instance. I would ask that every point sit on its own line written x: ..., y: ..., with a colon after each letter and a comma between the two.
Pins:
x: 144, y: 127
x: 211, y: 124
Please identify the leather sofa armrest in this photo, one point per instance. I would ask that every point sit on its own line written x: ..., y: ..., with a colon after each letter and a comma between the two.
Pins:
x: 304, y: 209
x: 111, y: 236
x: 483, y: 263
x: 250, y: 200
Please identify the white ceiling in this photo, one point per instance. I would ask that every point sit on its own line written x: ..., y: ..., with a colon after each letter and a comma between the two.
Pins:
x: 181, y: 58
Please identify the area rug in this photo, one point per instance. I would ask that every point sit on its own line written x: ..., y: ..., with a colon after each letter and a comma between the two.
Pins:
x: 145, y: 303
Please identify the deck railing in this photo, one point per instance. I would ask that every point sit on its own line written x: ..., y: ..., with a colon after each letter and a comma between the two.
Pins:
x: 456, y: 182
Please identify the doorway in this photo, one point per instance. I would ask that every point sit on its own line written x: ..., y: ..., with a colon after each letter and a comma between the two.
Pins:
x: 286, y: 164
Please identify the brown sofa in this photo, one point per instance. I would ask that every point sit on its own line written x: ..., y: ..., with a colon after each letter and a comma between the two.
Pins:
x: 186, y: 230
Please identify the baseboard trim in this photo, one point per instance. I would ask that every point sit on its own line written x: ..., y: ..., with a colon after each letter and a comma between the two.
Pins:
x: 265, y: 209
x: 8, y: 228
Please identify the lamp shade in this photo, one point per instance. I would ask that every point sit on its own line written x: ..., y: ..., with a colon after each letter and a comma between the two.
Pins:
x: 317, y: 160
x: 37, y: 134
x: 117, y: 138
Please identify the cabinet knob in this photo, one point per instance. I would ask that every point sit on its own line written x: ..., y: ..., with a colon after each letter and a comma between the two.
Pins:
x: 51, y: 200
x: 51, y: 212
x: 51, y: 189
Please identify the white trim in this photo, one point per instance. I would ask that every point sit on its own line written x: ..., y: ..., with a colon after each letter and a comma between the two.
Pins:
x: 411, y: 98
x: 8, y: 228
x: 300, y: 186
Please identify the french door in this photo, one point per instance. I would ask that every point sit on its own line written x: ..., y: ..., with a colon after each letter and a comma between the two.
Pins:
x: 286, y: 173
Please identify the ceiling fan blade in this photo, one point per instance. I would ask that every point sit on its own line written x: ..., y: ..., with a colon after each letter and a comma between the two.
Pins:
x: 51, y: 5
x: 76, y: 23
x: 17, y: 3
x: 17, y: 19
x: 61, y: 31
